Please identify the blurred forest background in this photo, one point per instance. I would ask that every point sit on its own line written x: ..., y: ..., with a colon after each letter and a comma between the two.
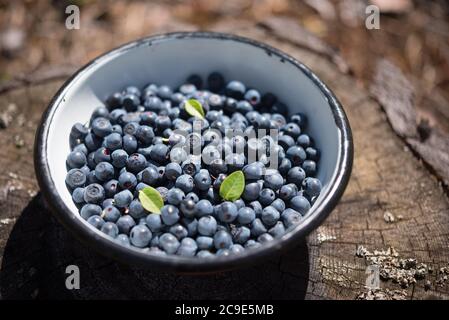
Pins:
x: 414, y: 35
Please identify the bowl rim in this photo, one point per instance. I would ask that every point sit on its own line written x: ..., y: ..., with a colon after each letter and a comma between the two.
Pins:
x: 105, y: 246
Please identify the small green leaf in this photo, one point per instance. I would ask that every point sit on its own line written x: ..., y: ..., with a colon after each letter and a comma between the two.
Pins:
x: 151, y: 199
x: 194, y: 108
x: 232, y: 187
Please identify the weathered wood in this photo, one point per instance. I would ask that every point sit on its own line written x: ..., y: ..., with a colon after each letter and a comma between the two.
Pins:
x: 387, y: 181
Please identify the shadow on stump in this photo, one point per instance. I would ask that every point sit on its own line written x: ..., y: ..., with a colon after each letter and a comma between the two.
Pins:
x: 39, y: 250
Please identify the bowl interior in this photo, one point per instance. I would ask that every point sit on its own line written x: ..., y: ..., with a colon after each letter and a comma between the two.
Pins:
x: 169, y: 61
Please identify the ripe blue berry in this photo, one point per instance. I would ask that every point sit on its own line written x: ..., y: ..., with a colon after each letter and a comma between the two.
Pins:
x: 251, y: 191
x: 76, y: 159
x: 270, y: 216
x: 110, y: 214
x: 187, y: 248
x: 278, y: 230
x: 185, y: 182
x: 168, y: 243
x: 290, y: 217
x: 123, y: 198
x: 273, y: 181
x: 110, y: 188
x: 149, y: 176
x: 119, y: 158
x: 78, y: 195
x: 175, y: 196
x: 94, y: 193
x: 207, y: 226
x: 75, y: 178
x: 123, y: 239
x: 227, y: 212
x: 235, y: 89
x: 204, y: 243
x: 252, y: 96
x: 266, y: 196
x: 95, y: 221
x: 203, y: 180
x: 296, y: 175
x: 89, y: 210
x: 203, y: 208
x: 309, y: 167
x: 173, y: 171
x: 257, y: 227
x: 129, y: 143
x: 159, y: 153
x: 125, y: 223
x: 169, y: 214
x: 179, y: 231
x: 113, y: 141
x: 222, y: 240
x: 278, y: 204
x: 288, y: 191
x: 101, y: 127
x: 246, y: 215
x: 154, y: 222
x: 110, y: 229
x: 296, y: 155
x: 136, y: 210
x: 104, y: 171
x: 312, y: 186
x: 140, y: 236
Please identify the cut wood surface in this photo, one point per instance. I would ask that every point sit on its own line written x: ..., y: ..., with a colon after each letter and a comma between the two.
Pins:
x: 392, y: 200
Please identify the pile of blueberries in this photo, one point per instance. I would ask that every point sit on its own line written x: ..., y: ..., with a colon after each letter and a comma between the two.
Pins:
x: 133, y: 142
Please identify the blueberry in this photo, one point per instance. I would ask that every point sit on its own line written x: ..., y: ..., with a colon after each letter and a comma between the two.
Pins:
x: 113, y: 141
x: 154, y: 222
x: 205, y: 254
x: 102, y: 154
x: 173, y: 171
x: 257, y: 227
x: 266, y: 237
x: 188, y: 207
x: 114, y: 100
x: 78, y: 131
x: 123, y: 239
x: 300, y: 119
x: 292, y: 129
x: 89, y: 210
x: 227, y: 212
x: 140, y: 236
x: 203, y: 180
x: 193, y: 196
x: 116, y: 115
x: 175, y: 196
x: 169, y: 214
x: 76, y: 159
x: 78, y: 195
x: 204, y: 243
x: 136, y: 210
x: 178, y: 155
x: 148, y: 176
x: 94, y: 193
x: 235, y: 161
x: 159, y: 153
x: 123, y: 198
x: 246, y: 215
x: 101, y: 127
x: 179, y: 231
x: 125, y: 223
x: 82, y: 148
x: 147, y: 118
x: 218, y: 167
x: 219, y: 180
x: 304, y: 141
x: 127, y: 180
x: 278, y: 230
x: 239, y: 203
x: 185, y: 182
x: 110, y: 214
x: 92, y: 142
x: 287, y: 192
x: 270, y: 216
x: 257, y: 207
x: 104, y: 171
x: 75, y: 178
x: 95, y: 221
x: 312, y: 186
x: 252, y: 96
x: 91, y: 178
x: 215, y: 82
x: 162, y: 122
x: 223, y: 253
x: 207, y: 226
x: 235, y: 89
x: 296, y: 155
x: 164, y: 92
x: 110, y: 188
x: 254, y: 171
x: 266, y: 196
x: 252, y: 244
x: 290, y: 217
x: 119, y: 158
x: 222, y: 240
x: 85, y: 169
x: 129, y: 143
x: 187, y: 248
x: 286, y: 141
x: 203, y: 208
x: 296, y: 175
x: 130, y: 102
x: 309, y: 167
x: 273, y: 181
x: 278, y: 204
x: 136, y: 163
x: 191, y: 225
x: 110, y: 229
x: 116, y: 128
x: 168, y: 243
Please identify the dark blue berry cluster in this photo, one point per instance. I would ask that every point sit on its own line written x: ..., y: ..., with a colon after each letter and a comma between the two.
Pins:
x: 142, y: 138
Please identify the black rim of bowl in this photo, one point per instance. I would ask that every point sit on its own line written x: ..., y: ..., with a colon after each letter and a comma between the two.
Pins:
x: 107, y: 246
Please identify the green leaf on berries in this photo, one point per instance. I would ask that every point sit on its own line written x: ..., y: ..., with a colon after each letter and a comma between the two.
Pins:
x: 232, y: 187
x: 151, y: 200
x: 194, y: 108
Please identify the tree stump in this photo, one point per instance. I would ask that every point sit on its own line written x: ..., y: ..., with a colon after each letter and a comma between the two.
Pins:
x: 392, y: 201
